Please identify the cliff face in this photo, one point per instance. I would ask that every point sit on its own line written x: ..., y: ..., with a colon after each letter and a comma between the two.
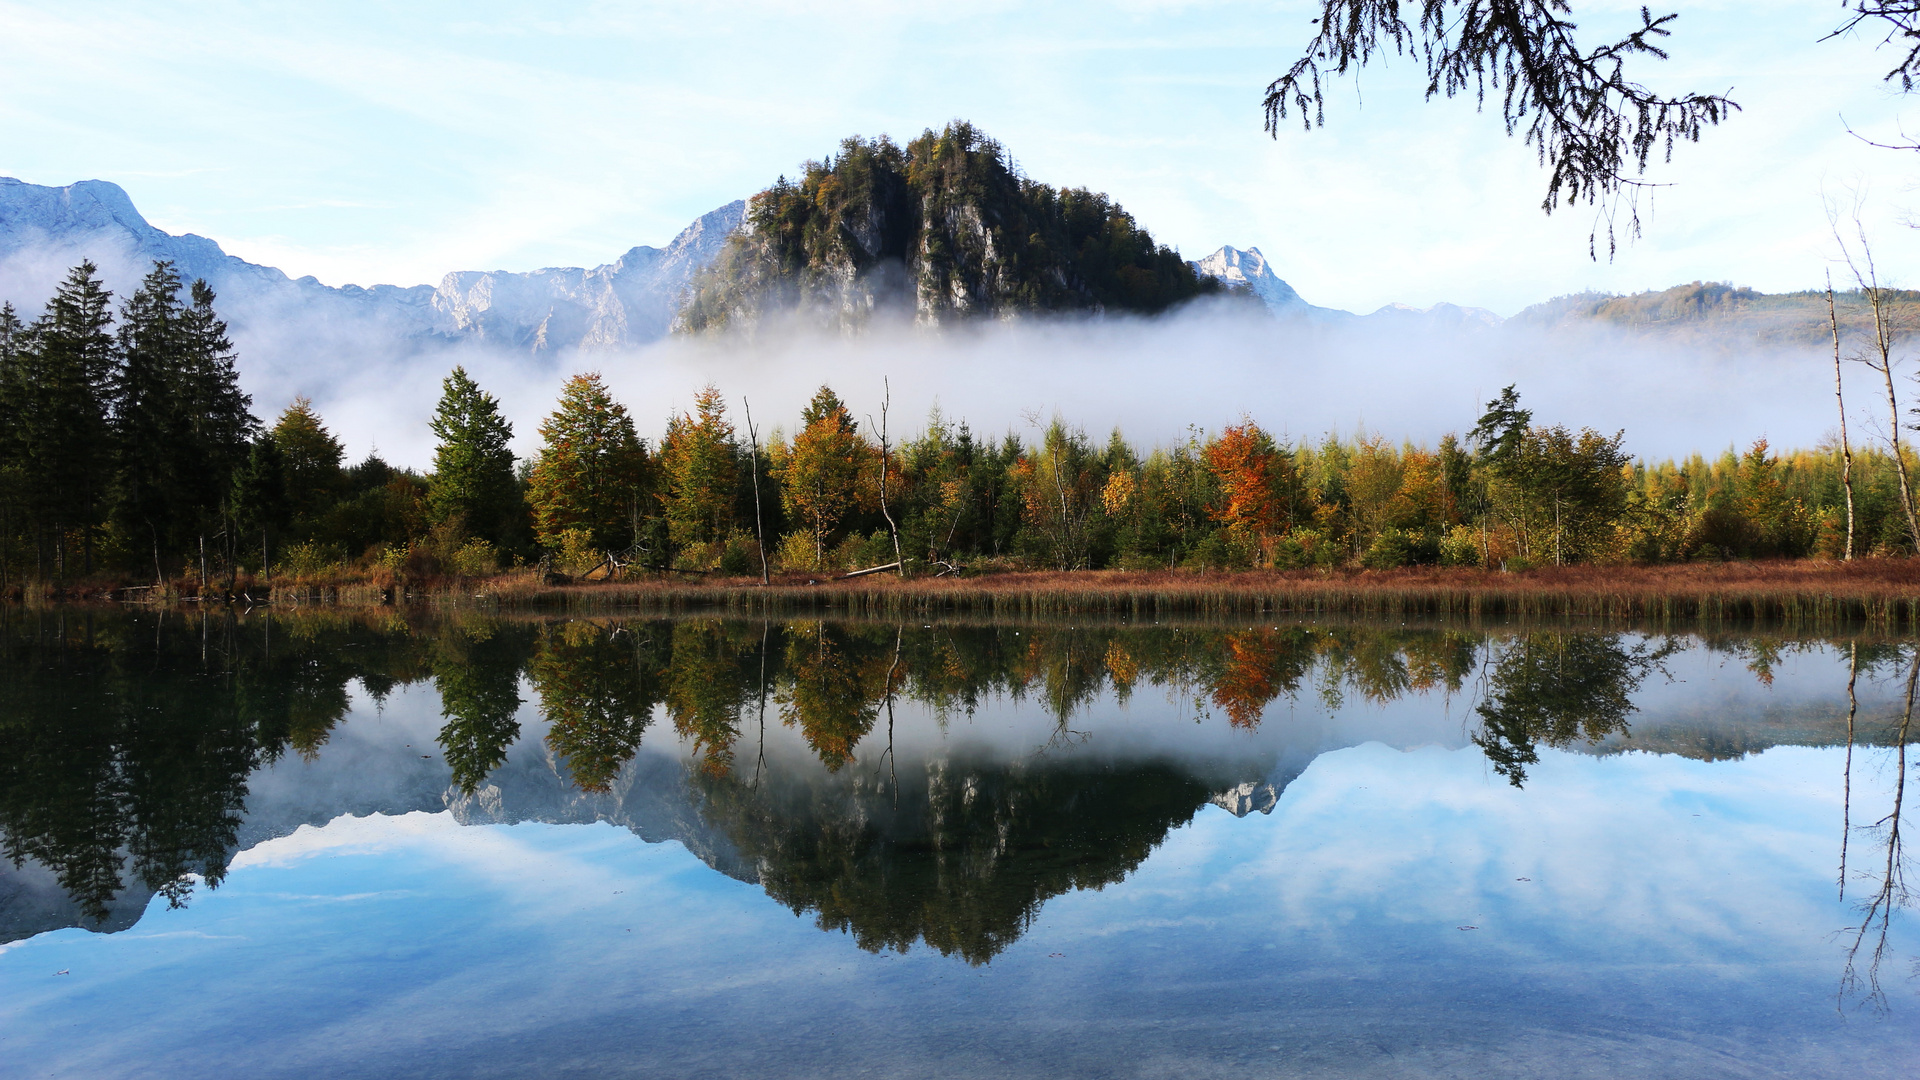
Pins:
x: 939, y: 230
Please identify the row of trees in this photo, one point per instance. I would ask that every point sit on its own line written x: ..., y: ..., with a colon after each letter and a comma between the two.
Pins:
x: 838, y: 495
x: 127, y: 447
x: 117, y: 443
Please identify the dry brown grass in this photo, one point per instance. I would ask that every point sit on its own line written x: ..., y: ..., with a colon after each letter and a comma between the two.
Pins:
x: 1885, y: 591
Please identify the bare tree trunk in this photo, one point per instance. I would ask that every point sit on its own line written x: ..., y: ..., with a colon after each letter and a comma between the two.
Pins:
x: 753, y: 451
x: 1881, y: 360
x: 1846, y: 775
x: 893, y: 531
x: 1839, y: 397
x: 1883, y: 347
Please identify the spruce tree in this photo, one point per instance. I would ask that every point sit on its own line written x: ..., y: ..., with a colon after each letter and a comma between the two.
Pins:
x: 473, y: 479
x: 12, y: 337
x: 151, y: 423
x: 310, y: 458
x: 65, y: 374
x: 258, y: 500
x: 223, y: 420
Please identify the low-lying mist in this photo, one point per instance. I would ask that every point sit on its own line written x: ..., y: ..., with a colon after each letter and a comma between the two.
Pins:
x: 1151, y: 377
x: 1204, y: 365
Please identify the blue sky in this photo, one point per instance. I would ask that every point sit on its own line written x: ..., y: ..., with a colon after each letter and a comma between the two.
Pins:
x: 365, y: 142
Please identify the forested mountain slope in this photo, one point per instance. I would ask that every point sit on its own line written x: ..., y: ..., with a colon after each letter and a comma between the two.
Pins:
x: 1706, y: 310
x: 941, y: 229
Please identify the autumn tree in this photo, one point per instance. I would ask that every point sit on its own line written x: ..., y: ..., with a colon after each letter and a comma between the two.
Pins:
x: 591, y: 472
x: 699, y: 473
x: 820, y: 474
x: 1255, y: 480
x: 473, y: 479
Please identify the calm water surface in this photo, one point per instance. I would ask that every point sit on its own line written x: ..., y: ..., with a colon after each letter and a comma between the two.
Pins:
x: 337, y: 846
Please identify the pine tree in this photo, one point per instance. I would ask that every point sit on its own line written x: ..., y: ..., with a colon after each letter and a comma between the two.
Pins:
x: 153, y: 449
x: 473, y: 477
x: 310, y: 460
x: 65, y: 372
x: 591, y: 471
x: 12, y: 339
x: 258, y: 500
x: 223, y: 421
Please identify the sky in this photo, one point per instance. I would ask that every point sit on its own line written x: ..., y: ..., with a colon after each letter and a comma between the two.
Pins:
x: 366, y: 143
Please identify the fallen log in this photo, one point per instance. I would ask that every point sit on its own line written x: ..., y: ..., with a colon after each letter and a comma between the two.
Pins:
x: 870, y: 570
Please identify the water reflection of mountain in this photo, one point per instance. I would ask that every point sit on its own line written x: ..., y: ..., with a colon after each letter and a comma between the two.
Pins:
x: 138, y: 752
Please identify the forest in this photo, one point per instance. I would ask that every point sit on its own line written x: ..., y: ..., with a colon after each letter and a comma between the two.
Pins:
x: 129, y: 453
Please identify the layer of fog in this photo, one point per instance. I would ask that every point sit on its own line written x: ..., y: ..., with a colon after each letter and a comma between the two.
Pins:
x: 1152, y: 378
x: 376, y: 382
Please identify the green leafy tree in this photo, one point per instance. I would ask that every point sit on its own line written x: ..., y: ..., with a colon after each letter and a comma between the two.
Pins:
x: 473, y: 479
x: 591, y: 472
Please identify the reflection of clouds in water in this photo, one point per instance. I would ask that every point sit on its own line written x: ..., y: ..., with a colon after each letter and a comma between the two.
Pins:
x: 570, y: 940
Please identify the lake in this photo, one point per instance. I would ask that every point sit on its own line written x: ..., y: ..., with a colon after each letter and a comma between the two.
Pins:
x: 333, y: 844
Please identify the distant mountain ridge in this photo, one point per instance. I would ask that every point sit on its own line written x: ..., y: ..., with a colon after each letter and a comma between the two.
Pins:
x: 635, y: 299
x: 630, y: 301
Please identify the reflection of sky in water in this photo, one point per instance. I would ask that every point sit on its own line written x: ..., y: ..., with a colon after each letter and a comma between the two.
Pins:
x: 1679, y: 921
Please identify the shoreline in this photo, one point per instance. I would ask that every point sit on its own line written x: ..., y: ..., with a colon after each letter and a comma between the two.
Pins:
x: 1885, y: 592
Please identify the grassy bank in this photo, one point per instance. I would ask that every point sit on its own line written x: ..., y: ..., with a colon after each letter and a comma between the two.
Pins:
x: 1880, y: 591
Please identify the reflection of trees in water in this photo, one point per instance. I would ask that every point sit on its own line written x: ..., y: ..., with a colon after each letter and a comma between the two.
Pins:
x: 833, y: 685
x: 598, y: 686
x: 1555, y: 688
x: 959, y: 857
x: 1886, y: 872
x: 706, y: 684
x: 476, y: 670
x: 126, y: 742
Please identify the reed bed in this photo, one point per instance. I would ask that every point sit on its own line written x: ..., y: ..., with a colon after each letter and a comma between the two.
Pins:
x: 1881, y: 592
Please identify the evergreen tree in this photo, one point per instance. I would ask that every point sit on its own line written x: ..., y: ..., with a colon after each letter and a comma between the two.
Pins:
x: 591, y: 470
x: 12, y: 339
x: 64, y: 376
x: 222, y: 418
x: 473, y: 467
x: 259, y: 497
x: 310, y: 460
x: 180, y: 421
x: 152, y: 422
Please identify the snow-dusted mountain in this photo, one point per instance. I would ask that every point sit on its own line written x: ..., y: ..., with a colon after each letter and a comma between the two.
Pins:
x: 630, y: 301
x: 1247, y: 268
